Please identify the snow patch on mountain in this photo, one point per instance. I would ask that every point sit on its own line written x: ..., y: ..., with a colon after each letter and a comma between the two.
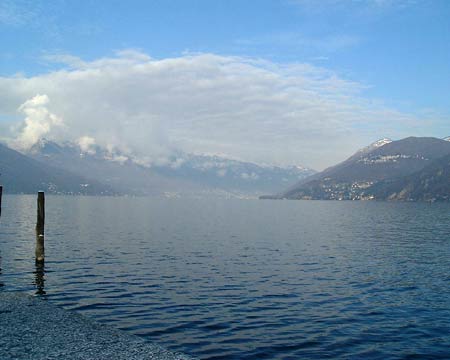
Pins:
x: 202, y: 171
x: 375, y: 145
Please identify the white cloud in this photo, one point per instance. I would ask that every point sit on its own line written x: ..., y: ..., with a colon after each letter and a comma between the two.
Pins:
x: 39, y: 121
x: 245, y: 108
x: 87, y: 144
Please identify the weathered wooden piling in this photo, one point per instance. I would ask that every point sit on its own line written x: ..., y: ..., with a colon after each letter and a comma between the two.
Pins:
x: 39, y: 278
x: 40, y: 224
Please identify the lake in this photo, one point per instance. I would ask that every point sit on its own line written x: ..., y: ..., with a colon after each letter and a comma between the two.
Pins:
x: 244, y: 279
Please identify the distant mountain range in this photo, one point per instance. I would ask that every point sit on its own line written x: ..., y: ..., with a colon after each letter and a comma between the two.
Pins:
x: 411, y: 169
x: 22, y: 174
x: 105, y: 172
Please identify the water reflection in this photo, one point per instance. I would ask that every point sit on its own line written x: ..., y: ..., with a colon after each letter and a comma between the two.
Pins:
x: 39, y: 278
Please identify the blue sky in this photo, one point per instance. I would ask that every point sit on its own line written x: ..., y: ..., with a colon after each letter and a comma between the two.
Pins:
x: 394, y: 54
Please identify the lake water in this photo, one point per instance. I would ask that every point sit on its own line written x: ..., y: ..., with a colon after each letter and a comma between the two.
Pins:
x: 240, y: 279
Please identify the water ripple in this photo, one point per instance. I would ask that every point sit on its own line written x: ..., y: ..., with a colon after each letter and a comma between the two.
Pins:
x: 245, y: 279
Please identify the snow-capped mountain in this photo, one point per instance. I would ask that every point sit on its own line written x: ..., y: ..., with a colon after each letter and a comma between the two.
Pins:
x: 21, y: 174
x: 375, y: 145
x: 179, y: 173
x: 380, y: 142
x: 385, y: 162
x: 446, y: 138
x: 225, y: 173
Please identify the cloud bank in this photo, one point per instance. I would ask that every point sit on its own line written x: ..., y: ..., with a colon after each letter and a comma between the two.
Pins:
x: 39, y: 121
x: 244, y: 108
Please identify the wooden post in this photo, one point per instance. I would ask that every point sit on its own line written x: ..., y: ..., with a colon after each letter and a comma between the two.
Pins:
x: 39, y: 278
x: 1, y: 193
x: 40, y: 223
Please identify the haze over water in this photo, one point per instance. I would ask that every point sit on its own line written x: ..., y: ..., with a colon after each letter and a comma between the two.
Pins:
x: 235, y: 279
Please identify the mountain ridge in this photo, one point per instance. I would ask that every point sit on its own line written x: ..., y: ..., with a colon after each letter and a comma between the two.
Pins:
x: 179, y: 174
x: 355, y: 178
x: 22, y: 174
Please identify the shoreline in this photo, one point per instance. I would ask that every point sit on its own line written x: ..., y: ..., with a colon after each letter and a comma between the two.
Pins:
x: 33, y: 328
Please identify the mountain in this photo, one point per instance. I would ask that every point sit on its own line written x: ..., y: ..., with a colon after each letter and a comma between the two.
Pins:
x: 112, y: 169
x: 429, y: 184
x: 366, y: 150
x: 228, y: 174
x: 22, y: 174
x: 382, y: 161
x: 179, y: 174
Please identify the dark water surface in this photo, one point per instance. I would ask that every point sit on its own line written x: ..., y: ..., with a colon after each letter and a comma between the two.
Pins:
x: 236, y: 279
